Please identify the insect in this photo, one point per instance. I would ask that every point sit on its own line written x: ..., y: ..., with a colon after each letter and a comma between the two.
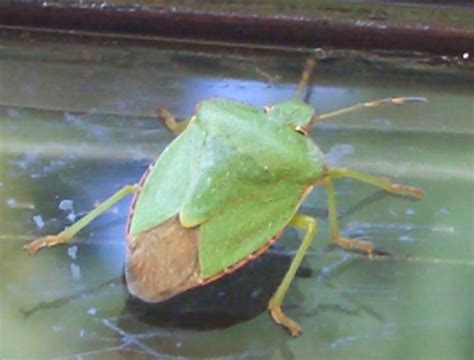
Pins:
x: 223, y: 192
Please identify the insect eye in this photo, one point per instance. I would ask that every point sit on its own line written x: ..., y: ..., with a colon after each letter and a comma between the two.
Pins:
x: 267, y: 109
x: 301, y: 130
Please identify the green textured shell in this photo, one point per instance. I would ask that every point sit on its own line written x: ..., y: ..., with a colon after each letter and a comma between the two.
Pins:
x: 220, y: 192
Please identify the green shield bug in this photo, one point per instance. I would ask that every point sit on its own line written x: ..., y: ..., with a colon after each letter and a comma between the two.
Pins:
x: 222, y: 193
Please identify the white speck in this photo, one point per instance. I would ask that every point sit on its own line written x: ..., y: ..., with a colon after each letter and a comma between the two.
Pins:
x: 337, y: 152
x: 73, y: 119
x: 75, y: 271
x: 114, y: 210
x: 38, y: 221
x: 66, y: 205
x: 92, y: 311
x: 465, y: 56
x: 72, y: 252
x: 256, y: 293
x: 410, y: 212
x: 406, y: 238
x: 12, y: 288
x: 178, y: 344
x: 265, y: 167
x: 56, y: 328
x: 11, y: 202
x: 442, y: 212
x: 71, y: 217
x: 82, y: 333
x: 20, y: 205
x: 382, y: 123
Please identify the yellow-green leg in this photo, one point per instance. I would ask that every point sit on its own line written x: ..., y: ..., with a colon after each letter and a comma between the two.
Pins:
x: 381, y: 182
x: 170, y: 120
x: 274, y: 305
x: 64, y: 236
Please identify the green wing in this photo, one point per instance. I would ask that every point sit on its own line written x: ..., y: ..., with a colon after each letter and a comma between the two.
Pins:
x: 165, y: 186
x: 245, y: 225
x: 222, y: 175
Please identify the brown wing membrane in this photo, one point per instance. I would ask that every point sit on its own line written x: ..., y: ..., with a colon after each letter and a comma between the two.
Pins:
x: 163, y: 261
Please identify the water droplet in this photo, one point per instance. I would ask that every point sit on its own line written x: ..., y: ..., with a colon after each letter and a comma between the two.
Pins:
x: 406, y: 238
x: 72, y: 252
x: 66, y: 204
x: 92, y: 311
x: 75, y: 271
x: 38, y: 221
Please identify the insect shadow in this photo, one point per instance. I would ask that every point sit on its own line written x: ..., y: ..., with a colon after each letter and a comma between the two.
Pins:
x: 222, y: 303
x: 225, y: 302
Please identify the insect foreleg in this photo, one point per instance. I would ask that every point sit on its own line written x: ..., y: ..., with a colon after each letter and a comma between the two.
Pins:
x: 274, y: 305
x: 64, y: 236
x: 170, y: 120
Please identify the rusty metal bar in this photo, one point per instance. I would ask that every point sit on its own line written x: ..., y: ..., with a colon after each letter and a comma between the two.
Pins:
x: 240, y: 27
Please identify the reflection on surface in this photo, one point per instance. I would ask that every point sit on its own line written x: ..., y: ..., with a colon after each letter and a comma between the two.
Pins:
x: 92, y: 132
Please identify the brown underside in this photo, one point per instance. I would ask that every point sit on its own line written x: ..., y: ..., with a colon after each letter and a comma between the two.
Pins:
x: 163, y: 261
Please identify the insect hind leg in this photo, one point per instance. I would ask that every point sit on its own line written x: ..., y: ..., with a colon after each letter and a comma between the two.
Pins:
x: 65, y: 236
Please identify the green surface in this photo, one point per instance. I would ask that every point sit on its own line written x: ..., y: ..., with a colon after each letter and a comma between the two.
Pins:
x: 75, y: 125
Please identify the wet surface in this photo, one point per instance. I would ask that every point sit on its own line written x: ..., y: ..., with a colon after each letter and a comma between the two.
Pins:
x: 76, y: 124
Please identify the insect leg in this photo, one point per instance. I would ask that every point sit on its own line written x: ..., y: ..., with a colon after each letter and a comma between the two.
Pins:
x: 64, y: 236
x: 274, y: 305
x: 345, y: 243
x: 305, y: 76
x: 170, y: 121
x: 366, y: 105
x: 381, y: 182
